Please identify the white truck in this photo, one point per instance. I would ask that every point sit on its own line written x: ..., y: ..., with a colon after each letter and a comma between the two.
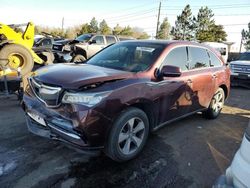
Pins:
x: 221, y: 47
x: 240, y: 71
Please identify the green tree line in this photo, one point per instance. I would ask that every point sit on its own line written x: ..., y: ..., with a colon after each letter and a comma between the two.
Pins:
x: 94, y: 27
x: 188, y: 27
x: 200, y: 28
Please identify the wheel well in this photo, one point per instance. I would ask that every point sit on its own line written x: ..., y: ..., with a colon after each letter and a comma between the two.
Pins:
x: 81, y: 52
x: 224, y: 87
x: 147, y: 108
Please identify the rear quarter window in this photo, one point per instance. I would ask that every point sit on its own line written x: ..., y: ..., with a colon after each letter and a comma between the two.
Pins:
x: 214, y: 60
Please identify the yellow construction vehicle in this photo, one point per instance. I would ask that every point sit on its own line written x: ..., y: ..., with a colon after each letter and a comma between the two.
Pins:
x: 16, y: 48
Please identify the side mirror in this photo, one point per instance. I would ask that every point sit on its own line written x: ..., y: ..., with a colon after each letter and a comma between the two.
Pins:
x: 170, y: 71
x: 92, y: 42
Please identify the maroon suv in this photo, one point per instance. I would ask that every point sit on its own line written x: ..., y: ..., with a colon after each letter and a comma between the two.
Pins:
x: 115, y: 99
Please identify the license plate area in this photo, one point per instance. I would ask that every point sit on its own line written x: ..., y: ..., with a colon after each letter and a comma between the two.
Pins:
x: 37, y: 118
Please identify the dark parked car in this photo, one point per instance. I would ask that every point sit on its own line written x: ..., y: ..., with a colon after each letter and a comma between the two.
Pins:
x: 240, y: 71
x: 116, y: 98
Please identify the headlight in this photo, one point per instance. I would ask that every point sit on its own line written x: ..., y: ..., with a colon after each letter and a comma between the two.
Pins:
x: 67, y: 48
x: 88, y: 99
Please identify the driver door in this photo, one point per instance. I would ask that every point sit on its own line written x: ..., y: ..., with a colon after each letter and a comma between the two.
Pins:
x: 176, y: 93
x: 96, y: 45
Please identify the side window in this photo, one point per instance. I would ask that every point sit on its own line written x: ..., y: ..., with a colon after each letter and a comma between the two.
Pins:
x: 214, y: 61
x: 178, y: 57
x: 199, y: 58
x: 46, y: 42
x: 110, y: 39
x: 99, y: 39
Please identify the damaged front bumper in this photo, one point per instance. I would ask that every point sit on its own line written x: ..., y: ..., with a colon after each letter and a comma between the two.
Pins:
x: 49, y: 124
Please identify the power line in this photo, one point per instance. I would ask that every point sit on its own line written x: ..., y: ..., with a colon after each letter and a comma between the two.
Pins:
x: 131, y: 15
x: 132, y: 19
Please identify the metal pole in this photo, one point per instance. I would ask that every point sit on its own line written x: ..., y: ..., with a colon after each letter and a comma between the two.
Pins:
x: 62, y: 23
x: 158, y: 19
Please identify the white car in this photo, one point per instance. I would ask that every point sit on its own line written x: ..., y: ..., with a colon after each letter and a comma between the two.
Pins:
x: 238, y: 174
x: 240, y: 70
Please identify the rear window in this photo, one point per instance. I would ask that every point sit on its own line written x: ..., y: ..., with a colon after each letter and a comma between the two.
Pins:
x: 245, y: 56
x: 198, y: 58
x: 110, y: 39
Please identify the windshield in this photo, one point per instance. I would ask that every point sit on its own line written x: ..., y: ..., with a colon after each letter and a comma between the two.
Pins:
x: 128, y: 56
x: 36, y: 40
x: 245, y: 56
x: 83, y: 38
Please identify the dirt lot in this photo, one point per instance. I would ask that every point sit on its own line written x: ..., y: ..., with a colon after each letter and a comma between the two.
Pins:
x: 192, y: 152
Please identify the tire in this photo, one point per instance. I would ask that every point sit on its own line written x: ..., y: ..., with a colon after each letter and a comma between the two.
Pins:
x: 216, y: 105
x: 48, y: 58
x: 21, y: 54
x: 78, y: 58
x: 128, y: 135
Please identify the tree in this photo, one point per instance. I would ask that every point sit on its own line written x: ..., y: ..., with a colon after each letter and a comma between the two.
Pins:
x: 126, y: 31
x: 104, y: 28
x: 163, y: 32
x: 85, y: 28
x: 218, y: 34
x: 93, y: 26
x: 206, y: 29
x: 246, y: 37
x: 117, y: 29
x: 184, y: 27
x: 142, y: 35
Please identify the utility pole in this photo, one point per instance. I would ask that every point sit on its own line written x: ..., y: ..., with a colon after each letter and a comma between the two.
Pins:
x: 62, y: 23
x: 158, y: 19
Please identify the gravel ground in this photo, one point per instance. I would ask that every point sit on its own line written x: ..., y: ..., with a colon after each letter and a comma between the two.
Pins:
x: 192, y: 152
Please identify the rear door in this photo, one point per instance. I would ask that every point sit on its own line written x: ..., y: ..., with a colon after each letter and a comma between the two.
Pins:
x: 200, y: 78
x: 110, y: 39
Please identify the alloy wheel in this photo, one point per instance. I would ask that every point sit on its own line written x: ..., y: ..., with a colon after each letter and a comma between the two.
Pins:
x: 218, y: 101
x: 131, y: 136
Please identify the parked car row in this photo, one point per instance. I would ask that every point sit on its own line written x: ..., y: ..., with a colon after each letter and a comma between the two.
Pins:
x: 112, y: 101
x: 83, y: 46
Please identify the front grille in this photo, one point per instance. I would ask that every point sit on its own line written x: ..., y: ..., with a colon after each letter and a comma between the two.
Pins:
x: 49, y: 95
x: 244, y: 69
x: 57, y: 47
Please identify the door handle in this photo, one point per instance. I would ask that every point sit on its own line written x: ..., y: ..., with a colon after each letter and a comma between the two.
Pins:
x: 214, y: 76
x: 189, y: 83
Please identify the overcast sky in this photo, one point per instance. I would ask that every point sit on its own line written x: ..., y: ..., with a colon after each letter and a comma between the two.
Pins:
x: 234, y: 15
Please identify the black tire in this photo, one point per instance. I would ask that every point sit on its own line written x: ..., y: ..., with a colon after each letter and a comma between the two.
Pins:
x: 78, y: 58
x: 113, y: 146
x: 212, y: 112
x: 23, y: 53
x: 48, y: 57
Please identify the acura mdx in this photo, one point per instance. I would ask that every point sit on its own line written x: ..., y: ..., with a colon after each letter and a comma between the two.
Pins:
x: 112, y: 101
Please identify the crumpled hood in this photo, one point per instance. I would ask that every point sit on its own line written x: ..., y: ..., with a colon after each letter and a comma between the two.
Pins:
x: 240, y: 62
x: 74, y: 76
x: 63, y: 42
